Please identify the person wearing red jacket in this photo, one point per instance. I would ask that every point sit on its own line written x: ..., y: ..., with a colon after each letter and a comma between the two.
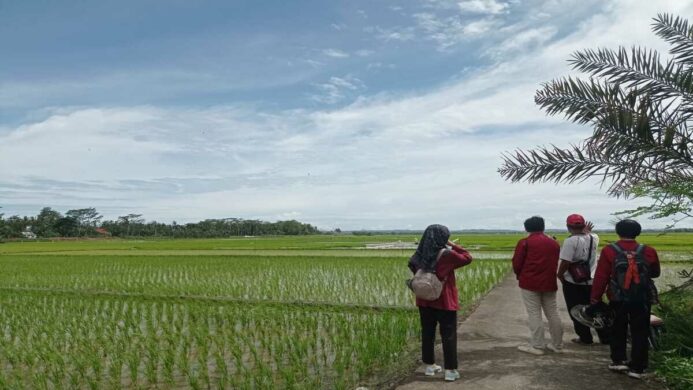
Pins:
x: 436, y: 253
x: 635, y: 315
x: 535, y: 262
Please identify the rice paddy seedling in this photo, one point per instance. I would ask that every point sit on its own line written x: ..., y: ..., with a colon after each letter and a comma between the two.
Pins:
x: 240, y: 321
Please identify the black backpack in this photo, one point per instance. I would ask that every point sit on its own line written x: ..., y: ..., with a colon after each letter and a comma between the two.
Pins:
x: 633, y: 288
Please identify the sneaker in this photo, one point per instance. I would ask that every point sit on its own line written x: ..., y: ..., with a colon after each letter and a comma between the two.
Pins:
x: 531, y: 349
x: 618, y: 367
x: 432, y: 369
x: 554, y: 349
x: 451, y: 375
x: 635, y: 374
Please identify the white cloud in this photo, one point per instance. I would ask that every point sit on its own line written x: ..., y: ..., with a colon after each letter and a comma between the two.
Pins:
x: 402, y: 34
x: 483, y: 6
x: 314, y: 63
x: 337, y: 88
x: 450, y: 31
x: 335, y: 53
x: 452, y: 25
x: 445, y: 23
x: 479, y: 27
x: 380, y: 65
x: 149, y: 84
x: 364, y: 52
x: 523, y: 40
x: 381, y: 162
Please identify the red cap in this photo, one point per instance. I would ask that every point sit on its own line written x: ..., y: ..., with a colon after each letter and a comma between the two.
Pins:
x: 575, y: 220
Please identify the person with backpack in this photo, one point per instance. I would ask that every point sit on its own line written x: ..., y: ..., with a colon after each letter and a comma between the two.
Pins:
x: 534, y: 262
x: 434, y: 264
x: 578, y: 264
x: 625, y: 270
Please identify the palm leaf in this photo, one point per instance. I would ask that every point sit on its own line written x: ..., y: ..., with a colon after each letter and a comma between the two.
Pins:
x: 678, y: 33
x: 641, y: 69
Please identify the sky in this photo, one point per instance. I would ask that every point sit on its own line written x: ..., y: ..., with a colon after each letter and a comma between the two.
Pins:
x: 342, y: 114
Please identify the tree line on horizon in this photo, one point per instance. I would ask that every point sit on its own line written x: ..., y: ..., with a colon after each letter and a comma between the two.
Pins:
x: 88, y: 222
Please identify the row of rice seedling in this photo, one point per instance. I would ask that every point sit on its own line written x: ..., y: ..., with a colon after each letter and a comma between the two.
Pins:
x: 499, y: 242
x: 51, y: 340
x: 242, y: 321
x: 347, y: 280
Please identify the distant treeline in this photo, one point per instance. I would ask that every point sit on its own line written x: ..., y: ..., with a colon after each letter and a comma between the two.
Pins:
x: 89, y: 223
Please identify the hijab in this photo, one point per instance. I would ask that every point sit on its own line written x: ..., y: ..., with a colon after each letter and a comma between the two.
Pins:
x: 434, y: 238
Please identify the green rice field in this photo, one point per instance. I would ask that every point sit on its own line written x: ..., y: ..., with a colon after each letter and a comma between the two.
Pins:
x: 308, y: 312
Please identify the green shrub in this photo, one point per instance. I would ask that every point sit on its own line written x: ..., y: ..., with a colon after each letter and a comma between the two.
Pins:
x: 673, y: 361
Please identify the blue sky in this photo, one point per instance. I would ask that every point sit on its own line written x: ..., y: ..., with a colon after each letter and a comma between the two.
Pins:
x: 358, y: 114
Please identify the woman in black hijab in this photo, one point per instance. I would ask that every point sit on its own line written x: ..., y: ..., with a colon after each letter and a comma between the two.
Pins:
x: 434, y: 239
x: 436, y: 253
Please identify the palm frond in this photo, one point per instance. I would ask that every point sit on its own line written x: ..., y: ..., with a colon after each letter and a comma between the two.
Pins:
x: 580, y: 101
x: 592, y: 101
x: 641, y: 69
x: 640, y: 109
x: 580, y: 162
x: 552, y: 163
x: 677, y: 32
x: 618, y: 135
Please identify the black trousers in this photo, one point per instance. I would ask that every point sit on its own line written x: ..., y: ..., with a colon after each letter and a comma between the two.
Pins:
x: 637, y: 318
x: 579, y: 294
x: 447, y: 320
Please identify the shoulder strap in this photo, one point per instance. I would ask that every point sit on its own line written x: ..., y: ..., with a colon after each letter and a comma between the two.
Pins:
x: 589, y: 253
x: 640, y: 249
x: 617, y: 248
x: 440, y: 254
x: 640, y: 256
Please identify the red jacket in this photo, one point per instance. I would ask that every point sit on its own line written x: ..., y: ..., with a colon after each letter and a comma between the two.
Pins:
x: 445, y: 270
x: 605, y: 267
x: 535, y: 262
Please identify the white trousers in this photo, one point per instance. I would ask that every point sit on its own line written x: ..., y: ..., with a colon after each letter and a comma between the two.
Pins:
x: 535, y: 302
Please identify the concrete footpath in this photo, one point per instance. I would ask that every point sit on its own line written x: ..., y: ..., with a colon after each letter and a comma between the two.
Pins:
x: 489, y: 359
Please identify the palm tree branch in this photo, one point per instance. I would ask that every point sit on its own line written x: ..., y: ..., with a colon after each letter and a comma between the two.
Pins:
x: 639, y: 108
x: 578, y: 163
x: 580, y: 101
x: 640, y: 69
x: 591, y: 101
x: 678, y: 33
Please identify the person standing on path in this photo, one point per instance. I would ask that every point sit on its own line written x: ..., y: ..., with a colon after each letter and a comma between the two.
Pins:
x: 626, y: 270
x: 581, y: 246
x: 534, y: 262
x: 436, y: 253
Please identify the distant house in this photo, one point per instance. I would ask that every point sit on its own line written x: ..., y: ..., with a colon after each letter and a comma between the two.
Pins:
x: 102, y: 231
x: 28, y: 234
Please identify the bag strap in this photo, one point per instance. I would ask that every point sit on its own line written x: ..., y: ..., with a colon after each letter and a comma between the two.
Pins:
x: 617, y: 248
x: 589, y: 253
x: 640, y: 249
x: 640, y: 256
x: 440, y: 254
